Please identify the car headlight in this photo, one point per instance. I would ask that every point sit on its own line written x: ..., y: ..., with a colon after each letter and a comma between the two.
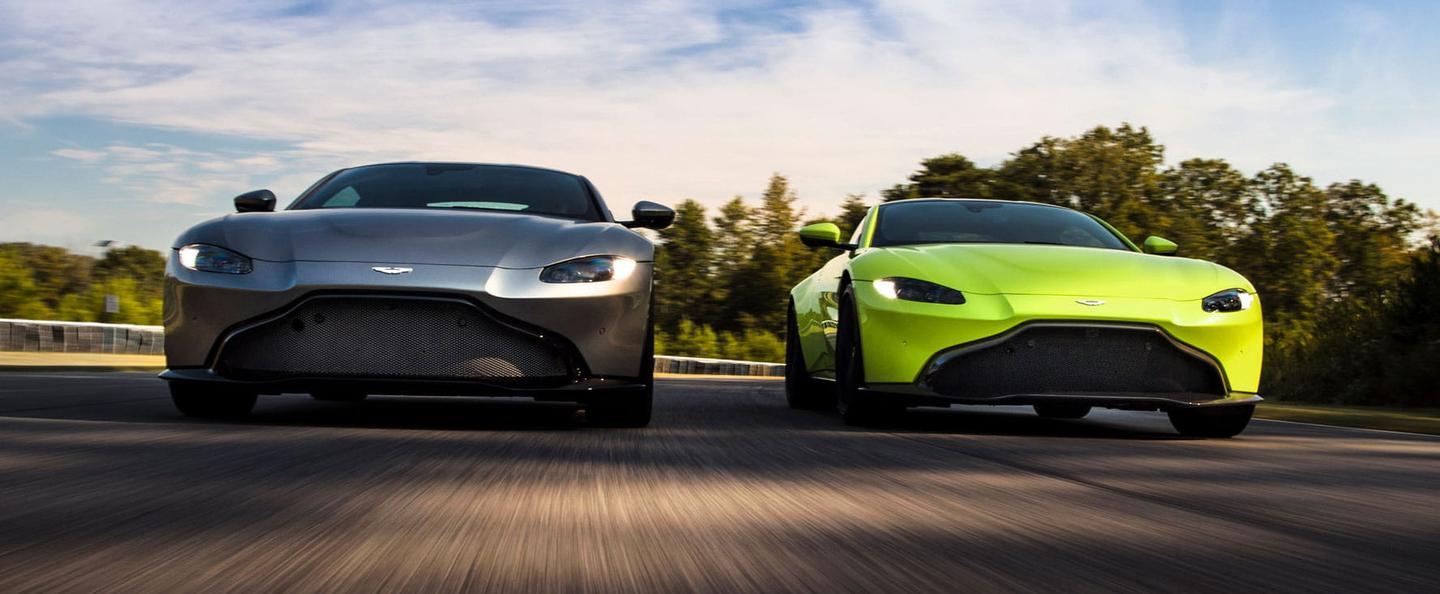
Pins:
x: 1228, y: 300
x: 911, y: 289
x: 591, y: 269
x: 209, y: 258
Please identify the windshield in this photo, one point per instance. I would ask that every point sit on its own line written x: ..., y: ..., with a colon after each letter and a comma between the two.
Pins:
x: 979, y: 221
x: 456, y: 186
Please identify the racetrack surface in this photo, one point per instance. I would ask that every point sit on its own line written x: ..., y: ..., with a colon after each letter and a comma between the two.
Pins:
x: 103, y: 486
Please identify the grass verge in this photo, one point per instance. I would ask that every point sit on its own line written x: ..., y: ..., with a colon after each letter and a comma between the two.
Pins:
x: 1410, y: 420
x: 10, y: 361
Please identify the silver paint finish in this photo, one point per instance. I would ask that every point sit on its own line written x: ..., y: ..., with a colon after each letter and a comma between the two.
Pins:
x: 492, y: 258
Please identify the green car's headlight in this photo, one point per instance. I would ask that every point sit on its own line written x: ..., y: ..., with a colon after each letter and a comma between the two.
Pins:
x: 209, y: 258
x: 592, y: 269
x: 1228, y: 300
x: 911, y: 289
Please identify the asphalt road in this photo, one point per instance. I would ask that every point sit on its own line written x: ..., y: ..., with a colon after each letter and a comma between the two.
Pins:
x: 104, y: 487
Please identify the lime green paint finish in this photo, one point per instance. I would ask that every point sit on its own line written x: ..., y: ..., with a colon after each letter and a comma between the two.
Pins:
x: 820, y: 235
x: 899, y: 337
x: 1159, y: 245
x: 1006, y: 285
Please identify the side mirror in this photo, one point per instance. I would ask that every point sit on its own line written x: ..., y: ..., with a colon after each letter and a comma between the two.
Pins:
x: 1159, y: 246
x: 257, y: 201
x: 822, y: 235
x: 650, y: 215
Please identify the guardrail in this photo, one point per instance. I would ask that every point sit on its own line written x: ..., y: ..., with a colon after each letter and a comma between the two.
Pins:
x: 43, y: 336
x: 703, y: 366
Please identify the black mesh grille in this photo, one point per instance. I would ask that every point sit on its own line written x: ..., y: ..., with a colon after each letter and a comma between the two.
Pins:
x: 388, y: 337
x: 1076, y: 360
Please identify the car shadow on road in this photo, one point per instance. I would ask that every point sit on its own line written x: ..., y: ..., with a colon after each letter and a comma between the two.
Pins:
x: 422, y: 413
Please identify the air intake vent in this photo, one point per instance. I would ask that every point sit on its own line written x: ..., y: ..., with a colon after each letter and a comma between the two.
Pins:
x: 1063, y: 359
x: 388, y: 337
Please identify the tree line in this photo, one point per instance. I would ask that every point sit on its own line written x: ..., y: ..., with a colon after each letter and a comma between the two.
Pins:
x: 1348, y: 290
x: 40, y: 282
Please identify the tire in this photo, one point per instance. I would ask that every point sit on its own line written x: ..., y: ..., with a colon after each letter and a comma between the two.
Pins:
x: 629, y: 408
x: 211, y: 401
x: 802, y: 392
x: 339, y: 396
x: 1060, y: 410
x: 1217, y: 421
x: 856, y: 408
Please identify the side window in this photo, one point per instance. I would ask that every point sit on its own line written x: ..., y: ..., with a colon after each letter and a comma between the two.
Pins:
x: 343, y: 198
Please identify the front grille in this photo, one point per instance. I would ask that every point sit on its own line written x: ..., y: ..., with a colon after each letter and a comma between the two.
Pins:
x: 1062, y: 359
x: 388, y: 337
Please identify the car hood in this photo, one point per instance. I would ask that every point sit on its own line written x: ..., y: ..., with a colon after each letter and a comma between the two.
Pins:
x: 467, y: 238
x: 1049, y: 270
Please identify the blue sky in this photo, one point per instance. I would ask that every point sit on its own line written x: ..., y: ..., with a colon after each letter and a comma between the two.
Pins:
x: 131, y: 120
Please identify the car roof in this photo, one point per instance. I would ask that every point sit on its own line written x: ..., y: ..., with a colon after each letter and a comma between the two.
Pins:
x: 511, y: 165
x: 904, y: 200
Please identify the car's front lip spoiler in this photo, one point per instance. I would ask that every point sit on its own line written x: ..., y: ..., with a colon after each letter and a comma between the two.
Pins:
x: 1127, y: 400
x: 561, y: 389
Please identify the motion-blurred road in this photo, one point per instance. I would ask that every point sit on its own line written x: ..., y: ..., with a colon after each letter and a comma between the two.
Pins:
x: 104, y: 487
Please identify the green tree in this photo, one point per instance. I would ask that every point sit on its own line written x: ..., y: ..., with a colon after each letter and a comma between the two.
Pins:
x: 852, y: 210
x: 1371, y: 236
x: 146, y: 268
x: 1291, y: 253
x: 946, y: 176
x: 757, y: 294
x: 1111, y: 173
x: 19, y: 296
x: 758, y: 345
x: 683, y: 268
x: 54, y: 271
x: 1211, y: 206
x: 135, y: 308
x: 692, y: 340
x: 734, y: 246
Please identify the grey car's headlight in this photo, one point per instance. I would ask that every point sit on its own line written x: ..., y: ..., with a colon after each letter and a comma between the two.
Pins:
x: 911, y: 289
x: 1228, y: 300
x: 591, y: 269
x: 209, y: 258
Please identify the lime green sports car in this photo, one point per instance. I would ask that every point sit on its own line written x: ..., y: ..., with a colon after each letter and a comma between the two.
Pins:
x: 953, y: 301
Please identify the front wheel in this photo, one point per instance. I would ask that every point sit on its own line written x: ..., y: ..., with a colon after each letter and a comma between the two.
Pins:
x: 210, y: 401
x: 856, y: 407
x: 1216, y: 421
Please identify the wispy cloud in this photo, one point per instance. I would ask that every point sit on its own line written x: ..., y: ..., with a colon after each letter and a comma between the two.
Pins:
x: 666, y: 99
x: 79, y: 154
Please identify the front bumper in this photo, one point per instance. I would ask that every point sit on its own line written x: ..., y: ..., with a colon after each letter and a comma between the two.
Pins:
x: 604, y: 324
x: 576, y: 391
x: 904, y: 342
x: 922, y: 396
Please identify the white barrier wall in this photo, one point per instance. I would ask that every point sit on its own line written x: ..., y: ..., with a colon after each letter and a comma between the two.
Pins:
x: 701, y: 366
x: 40, y: 336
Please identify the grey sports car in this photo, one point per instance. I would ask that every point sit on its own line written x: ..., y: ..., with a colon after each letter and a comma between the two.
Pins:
x: 417, y: 278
